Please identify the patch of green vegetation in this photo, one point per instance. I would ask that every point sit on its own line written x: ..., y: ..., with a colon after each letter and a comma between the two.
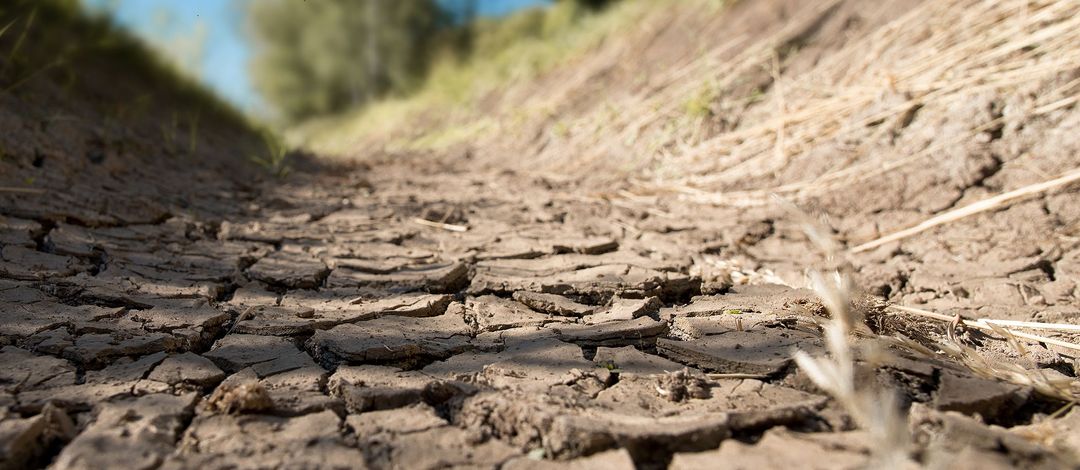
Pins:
x: 701, y: 104
x: 609, y: 365
x: 521, y: 46
x: 561, y: 129
x: 193, y: 132
x: 275, y: 158
x: 324, y: 56
x: 733, y: 311
x: 168, y: 134
x: 15, y: 60
x: 512, y: 50
x: 445, y: 137
x: 171, y: 133
x: 755, y: 96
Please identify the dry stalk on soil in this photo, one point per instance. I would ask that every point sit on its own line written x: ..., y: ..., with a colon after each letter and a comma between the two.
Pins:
x: 972, y: 209
x: 440, y: 225
x: 6, y: 189
x: 1001, y: 327
x: 1062, y: 388
x: 874, y: 410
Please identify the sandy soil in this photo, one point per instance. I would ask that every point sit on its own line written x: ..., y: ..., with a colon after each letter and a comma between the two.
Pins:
x: 477, y: 308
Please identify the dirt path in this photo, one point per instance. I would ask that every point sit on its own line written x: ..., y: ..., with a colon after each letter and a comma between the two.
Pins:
x: 535, y: 300
x: 402, y: 316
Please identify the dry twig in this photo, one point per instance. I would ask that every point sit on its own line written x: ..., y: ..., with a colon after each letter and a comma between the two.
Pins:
x: 972, y: 209
x: 8, y: 189
x: 988, y: 325
x: 444, y: 226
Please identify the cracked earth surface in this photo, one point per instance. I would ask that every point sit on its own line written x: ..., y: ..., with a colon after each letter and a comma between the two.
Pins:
x: 322, y: 325
x: 163, y: 307
x: 318, y: 324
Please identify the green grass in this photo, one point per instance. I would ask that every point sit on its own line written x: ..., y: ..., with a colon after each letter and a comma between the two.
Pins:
x: 193, y: 132
x: 274, y: 158
x: 7, y: 27
x: 700, y: 105
x: 513, y: 50
x: 168, y: 134
x: 29, y: 24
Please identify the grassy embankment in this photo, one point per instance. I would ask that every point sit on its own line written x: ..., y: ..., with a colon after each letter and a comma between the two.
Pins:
x: 507, y: 51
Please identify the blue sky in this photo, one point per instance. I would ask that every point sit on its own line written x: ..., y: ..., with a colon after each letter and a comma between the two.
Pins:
x: 206, y: 37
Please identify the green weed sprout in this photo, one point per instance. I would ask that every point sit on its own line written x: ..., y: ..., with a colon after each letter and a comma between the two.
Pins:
x: 700, y: 104
x: 609, y: 365
x: 275, y: 159
x: 168, y: 133
x: 193, y: 133
x: 22, y: 37
x: 7, y: 27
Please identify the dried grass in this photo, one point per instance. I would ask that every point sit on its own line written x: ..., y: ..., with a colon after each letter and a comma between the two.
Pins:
x: 1062, y: 388
x: 9, y: 189
x: 972, y: 209
x: 875, y: 410
x: 999, y: 327
x: 919, y: 59
x: 440, y: 225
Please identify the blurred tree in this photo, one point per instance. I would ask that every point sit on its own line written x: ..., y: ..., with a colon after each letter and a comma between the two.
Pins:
x: 322, y: 56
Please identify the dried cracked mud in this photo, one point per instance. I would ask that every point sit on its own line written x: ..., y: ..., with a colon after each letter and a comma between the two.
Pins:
x: 164, y: 308
x: 317, y: 325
